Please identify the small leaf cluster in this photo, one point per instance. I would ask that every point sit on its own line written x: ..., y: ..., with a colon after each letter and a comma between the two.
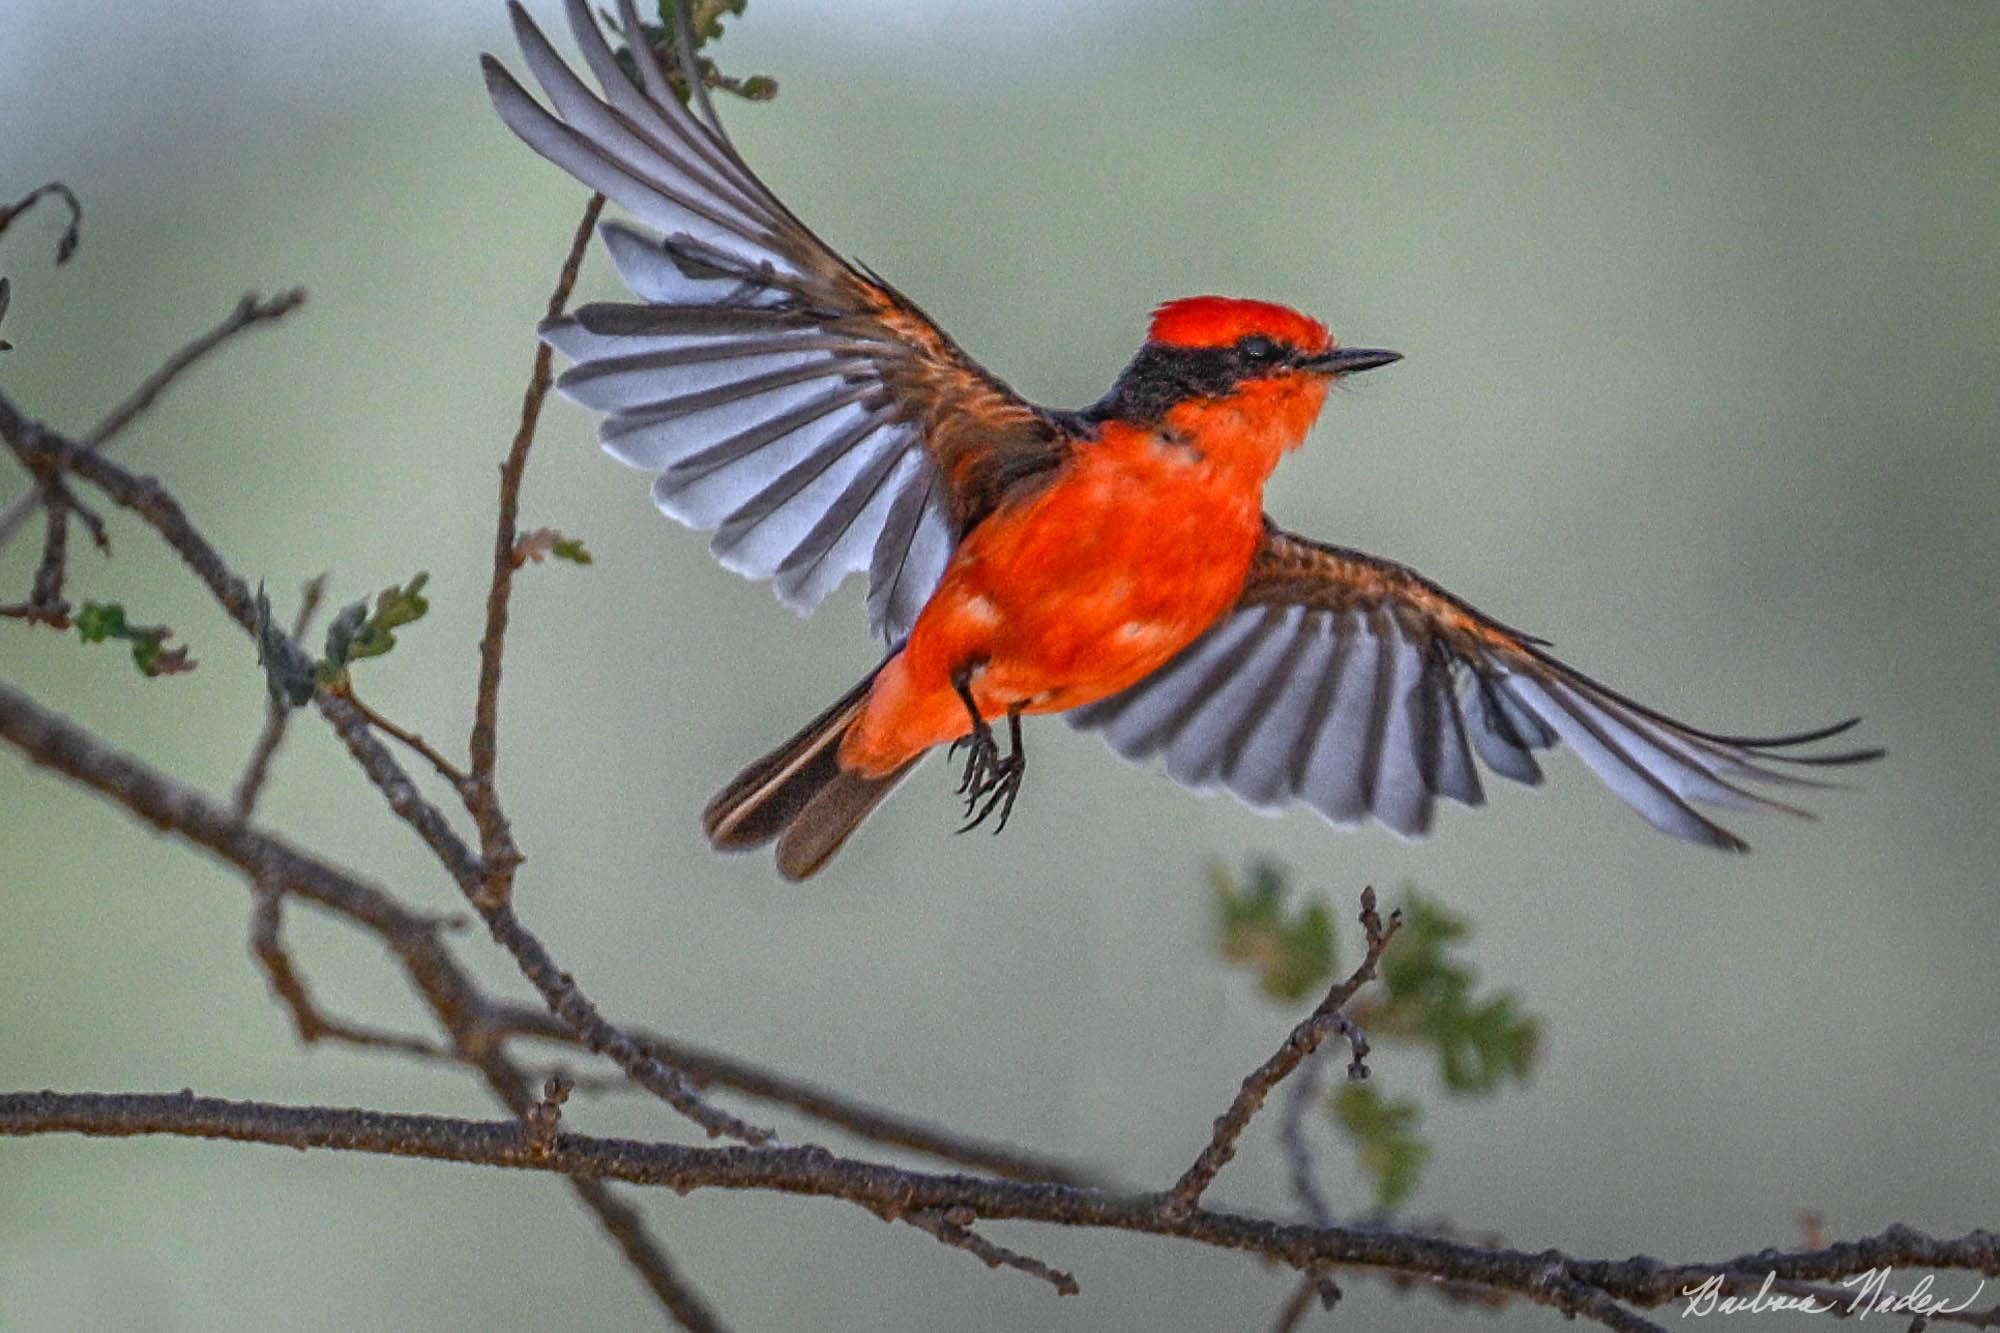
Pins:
x: 544, y: 543
x: 355, y: 634
x: 705, y: 18
x: 99, y: 621
x: 1426, y: 997
x: 1431, y: 1001
x: 1383, y: 1130
x: 1292, y: 954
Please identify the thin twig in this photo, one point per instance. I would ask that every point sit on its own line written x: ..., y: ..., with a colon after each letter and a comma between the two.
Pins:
x: 249, y: 312
x: 474, y: 1022
x: 498, y: 853
x: 40, y: 447
x: 456, y: 1002
x: 1299, y: 1096
x: 71, y: 235
x: 312, y: 1025
x: 48, y: 586
x: 50, y: 740
x: 267, y: 910
x: 35, y: 615
x: 621, y: 1222
x: 1297, y: 1305
x: 1303, y: 1041
x: 953, y: 1226
x: 1301, y: 1093
x: 447, y: 770
x: 568, y: 1002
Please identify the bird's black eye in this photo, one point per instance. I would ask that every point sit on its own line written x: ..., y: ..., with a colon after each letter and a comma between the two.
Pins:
x: 1258, y: 350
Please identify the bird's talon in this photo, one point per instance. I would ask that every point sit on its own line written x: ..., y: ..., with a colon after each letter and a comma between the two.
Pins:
x: 999, y: 785
x: 985, y: 754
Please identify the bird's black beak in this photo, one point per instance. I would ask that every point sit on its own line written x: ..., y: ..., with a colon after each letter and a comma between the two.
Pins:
x: 1350, y: 360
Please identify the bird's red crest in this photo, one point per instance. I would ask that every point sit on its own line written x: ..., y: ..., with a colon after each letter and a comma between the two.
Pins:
x: 1219, y: 321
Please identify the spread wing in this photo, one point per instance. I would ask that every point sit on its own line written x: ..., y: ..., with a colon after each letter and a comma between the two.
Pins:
x: 1358, y: 687
x: 802, y: 409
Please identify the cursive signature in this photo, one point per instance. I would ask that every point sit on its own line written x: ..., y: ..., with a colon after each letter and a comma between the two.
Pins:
x: 1872, y: 1295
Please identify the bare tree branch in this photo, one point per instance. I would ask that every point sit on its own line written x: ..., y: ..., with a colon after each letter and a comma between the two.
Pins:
x: 475, y: 1023
x: 40, y: 447
x: 1303, y: 1041
x: 453, y: 997
x: 249, y: 312
x: 707, y: 1067
x: 1591, y: 1288
x: 953, y: 1226
x: 424, y: 749
x: 497, y: 847
x: 72, y: 233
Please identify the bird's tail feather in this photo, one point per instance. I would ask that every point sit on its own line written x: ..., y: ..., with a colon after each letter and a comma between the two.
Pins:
x: 800, y: 795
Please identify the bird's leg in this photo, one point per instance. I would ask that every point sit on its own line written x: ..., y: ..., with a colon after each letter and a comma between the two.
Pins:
x: 1001, y: 781
x: 985, y: 750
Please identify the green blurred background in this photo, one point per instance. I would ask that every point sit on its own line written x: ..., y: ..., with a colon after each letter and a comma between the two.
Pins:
x: 1701, y: 305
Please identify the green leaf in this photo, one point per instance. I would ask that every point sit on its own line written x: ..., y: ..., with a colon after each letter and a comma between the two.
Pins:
x: 705, y: 17
x: 1383, y: 1131
x: 101, y: 621
x: 1430, y: 1000
x: 394, y: 607
x: 570, y: 549
x: 1292, y: 956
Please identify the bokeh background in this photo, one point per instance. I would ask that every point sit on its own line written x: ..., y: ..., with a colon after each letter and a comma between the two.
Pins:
x: 1702, y: 310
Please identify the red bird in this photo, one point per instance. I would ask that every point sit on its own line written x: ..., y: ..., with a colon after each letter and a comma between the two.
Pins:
x: 1112, y: 563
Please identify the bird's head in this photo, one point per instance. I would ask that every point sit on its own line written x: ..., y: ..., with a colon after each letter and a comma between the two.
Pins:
x: 1261, y: 359
x: 1253, y: 340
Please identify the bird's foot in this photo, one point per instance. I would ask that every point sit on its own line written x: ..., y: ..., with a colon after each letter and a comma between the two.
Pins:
x: 992, y: 780
x: 985, y: 754
x: 1000, y: 785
